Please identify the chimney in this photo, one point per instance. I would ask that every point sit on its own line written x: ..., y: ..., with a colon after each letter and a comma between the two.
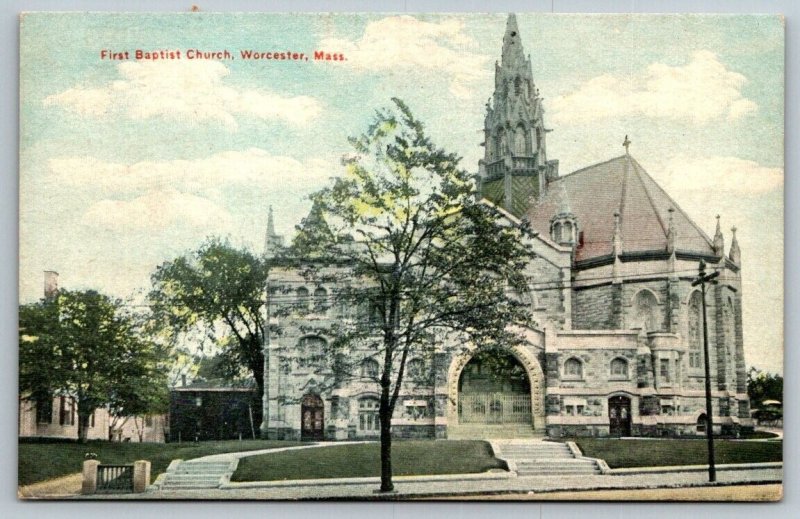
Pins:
x: 50, y: 284
x: 183, y: 380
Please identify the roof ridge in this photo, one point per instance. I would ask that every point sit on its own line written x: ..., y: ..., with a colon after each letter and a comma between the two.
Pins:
x: 638, y: 169
x: 674, y: 204
x: 590, y: 166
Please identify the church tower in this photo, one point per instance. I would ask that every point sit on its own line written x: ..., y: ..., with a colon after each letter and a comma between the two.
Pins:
x: 514, y: 172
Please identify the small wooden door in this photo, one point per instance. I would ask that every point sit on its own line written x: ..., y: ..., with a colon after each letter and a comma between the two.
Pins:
x: 619, y: 416
x: 312, y: 414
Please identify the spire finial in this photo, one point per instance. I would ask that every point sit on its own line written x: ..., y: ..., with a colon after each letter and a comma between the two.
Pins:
x: 735, y: 253
x: 270, y: 223
x: 626, y: 143
x: 719, y: 241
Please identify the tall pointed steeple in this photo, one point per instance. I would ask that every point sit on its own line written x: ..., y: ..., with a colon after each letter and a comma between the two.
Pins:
x: 272, y: 242
x: 514, y: 172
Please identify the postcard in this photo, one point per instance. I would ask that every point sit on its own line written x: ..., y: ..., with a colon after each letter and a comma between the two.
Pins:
x: 506, y: 256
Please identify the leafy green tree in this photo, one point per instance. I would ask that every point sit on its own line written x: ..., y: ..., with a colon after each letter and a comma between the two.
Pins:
x: 763, y: 387
x: 216, y: 291
x: 425, y: 260
x: 86, y: 345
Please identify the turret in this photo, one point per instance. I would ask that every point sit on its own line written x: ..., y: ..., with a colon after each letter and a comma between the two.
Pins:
x: 719, y: 241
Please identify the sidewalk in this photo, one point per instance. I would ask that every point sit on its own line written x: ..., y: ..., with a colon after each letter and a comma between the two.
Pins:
x: 464, y: 485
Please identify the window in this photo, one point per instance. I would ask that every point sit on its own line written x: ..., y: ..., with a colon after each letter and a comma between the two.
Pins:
x: 285, y: 364
x: 198, y: 401
x: 665, y: 370
x: 321, y: 300
x: 44, y: 411
x: 557, y: 233
x: 416, y: 369
x: 646, y: 311
x: 370, y: 368
x: 695, y: 336
x: 619, y: 368
x: 91, y: 419
x: 368, y: 415
x: 416, y: 409
x: 302, y: 297
x: 67, y: 411
x: 148, y: 421
x: 573, y: 369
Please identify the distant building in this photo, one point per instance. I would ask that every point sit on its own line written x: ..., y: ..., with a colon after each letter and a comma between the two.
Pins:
x: 207, y: 411
x: 58, y: 416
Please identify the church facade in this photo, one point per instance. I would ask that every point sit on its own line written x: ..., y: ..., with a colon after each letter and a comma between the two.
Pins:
x: 619, y: 345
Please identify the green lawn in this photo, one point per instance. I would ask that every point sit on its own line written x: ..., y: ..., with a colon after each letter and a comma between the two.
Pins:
x: 363, y: 460
x: 41, y: 461
x: 652, y: 453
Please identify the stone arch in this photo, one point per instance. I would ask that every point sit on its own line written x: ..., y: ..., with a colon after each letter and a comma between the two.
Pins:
x: 528, y: 361
x: 647, y: 310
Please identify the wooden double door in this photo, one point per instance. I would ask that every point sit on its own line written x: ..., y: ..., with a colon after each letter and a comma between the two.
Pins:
x: 619, y: 416
x: 312, y: 416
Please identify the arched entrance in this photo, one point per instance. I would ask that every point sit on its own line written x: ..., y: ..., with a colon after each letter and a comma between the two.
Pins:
x: 472, y: 416
x: 312, y: 413
x: 494, y: 389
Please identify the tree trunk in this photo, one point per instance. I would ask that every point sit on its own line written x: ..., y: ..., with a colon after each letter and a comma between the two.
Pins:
x: 386, y: 441
x: 83, y: 425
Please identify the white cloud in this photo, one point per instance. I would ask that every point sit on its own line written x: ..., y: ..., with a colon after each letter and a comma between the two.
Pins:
x: 730, y: 174
x: 156, y: 211
x: 701, y: 91
x: 251, y: 168
x: 190, y: 91
x: 398, y: 44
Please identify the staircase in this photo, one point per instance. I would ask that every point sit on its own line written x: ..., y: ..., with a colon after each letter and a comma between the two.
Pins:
x: 183, y: 475
x: 542, y: 458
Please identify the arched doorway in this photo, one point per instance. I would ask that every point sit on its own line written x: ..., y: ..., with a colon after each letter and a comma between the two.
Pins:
x: 312, y: 413
x: 494, y: 389
x: 619, y: 416
x: 702, y: 424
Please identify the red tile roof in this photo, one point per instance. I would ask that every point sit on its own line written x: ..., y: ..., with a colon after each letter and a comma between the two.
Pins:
x: 620, y: 185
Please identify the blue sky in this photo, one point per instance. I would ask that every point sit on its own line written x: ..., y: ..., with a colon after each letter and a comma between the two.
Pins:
x: 126, y: 164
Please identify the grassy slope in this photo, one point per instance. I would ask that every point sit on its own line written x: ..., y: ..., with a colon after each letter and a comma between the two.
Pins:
x: 653, y: 453
x: 43, y: 461
x: 363, y: 460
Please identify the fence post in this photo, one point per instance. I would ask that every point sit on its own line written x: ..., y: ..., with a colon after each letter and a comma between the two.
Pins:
x: 89, y: 483
x: 141, y: 476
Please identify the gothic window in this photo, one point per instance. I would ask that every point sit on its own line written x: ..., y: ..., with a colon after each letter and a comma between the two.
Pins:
x: 311, y: 351
x: 368, y: 415
x: 321, y: 300
x: 566, y: 233
x: 302, y: 297
x: 646, y: 311
x: 695, y: 335
x: 518, y: 85
x: 520, y: 141
x: 285, y: 365
x: 503, y: 144
x: 538, y: 142
x: 573, y: 369
x: 370, y: 368
x: 664, y: 370
x: 496, y: 147
x: 557, y: 233
x: 619, y: 368
x: 730, y: 326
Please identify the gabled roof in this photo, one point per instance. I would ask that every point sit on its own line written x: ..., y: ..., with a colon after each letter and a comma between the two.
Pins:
x: 621, y: 186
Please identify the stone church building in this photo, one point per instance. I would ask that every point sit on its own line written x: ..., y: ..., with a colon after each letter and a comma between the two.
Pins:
x: 619, y: 345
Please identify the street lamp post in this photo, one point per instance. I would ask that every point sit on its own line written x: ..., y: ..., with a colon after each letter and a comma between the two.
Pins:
x: 701, y: 280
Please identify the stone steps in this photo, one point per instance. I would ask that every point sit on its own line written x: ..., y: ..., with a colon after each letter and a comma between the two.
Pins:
x: 540, y: 458
x: 480, y: 432
x: 197, y: 474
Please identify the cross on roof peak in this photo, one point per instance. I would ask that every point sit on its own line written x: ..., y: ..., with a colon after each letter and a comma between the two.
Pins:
x: 626, y: 143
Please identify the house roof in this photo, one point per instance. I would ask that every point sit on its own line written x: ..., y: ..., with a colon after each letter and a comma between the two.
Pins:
x: 620, y: 185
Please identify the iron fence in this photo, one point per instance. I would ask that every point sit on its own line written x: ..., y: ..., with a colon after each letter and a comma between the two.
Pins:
x: 494, y: 408
x: 114, y: 479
